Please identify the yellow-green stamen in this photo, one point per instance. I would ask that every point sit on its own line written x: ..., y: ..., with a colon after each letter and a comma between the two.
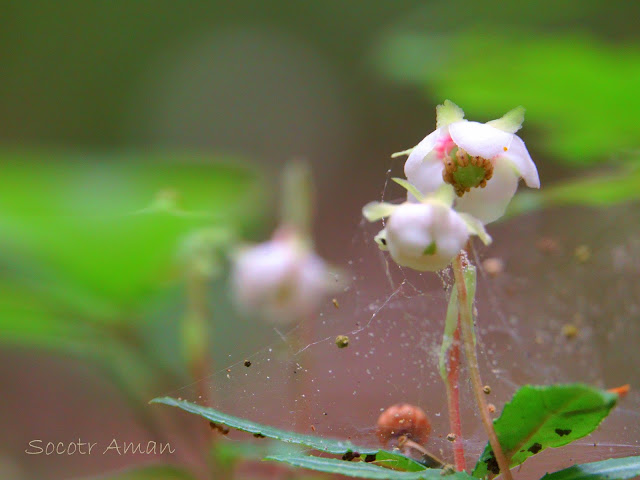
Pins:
x: 465, y: 172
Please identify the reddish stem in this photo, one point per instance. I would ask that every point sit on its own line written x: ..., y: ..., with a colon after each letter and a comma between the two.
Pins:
x: 453, y: 399
x: 466, y: 323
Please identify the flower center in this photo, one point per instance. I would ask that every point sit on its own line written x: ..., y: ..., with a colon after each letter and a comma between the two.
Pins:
x: 465, y: 172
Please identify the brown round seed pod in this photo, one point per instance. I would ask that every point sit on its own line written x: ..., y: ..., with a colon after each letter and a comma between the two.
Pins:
x: 403, y: 419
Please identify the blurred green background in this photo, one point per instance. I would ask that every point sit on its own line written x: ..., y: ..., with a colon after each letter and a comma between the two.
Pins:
x: 129, y: 128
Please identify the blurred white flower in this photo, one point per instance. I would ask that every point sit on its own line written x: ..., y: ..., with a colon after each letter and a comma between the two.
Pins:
x: 281, y: 280
x: 425, y: 235
x: 482, y: 161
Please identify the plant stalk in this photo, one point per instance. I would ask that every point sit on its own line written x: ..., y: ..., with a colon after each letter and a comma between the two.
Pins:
x: 466, y: 324
x: 196, y: 338
x: 453, y: 399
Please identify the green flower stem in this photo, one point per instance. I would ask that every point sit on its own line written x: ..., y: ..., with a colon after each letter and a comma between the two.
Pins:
x: 460, y: 264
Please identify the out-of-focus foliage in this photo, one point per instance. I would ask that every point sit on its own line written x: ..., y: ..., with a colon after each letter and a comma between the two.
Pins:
x: 601, y: 190
x: 88, y: 244
x: 149, y: 473
x: 578, y: 91
x: 104, y: 234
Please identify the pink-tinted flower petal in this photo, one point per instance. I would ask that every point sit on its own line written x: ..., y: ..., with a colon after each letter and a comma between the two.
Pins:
x: 421, y: 150
x: 425, y: 174
x: 518, y: 154
x: 413, y: 228
x: 480, y: 139
x: 489, y: 203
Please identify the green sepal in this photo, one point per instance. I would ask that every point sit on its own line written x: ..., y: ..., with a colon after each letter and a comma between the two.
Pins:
x: 448, y: 113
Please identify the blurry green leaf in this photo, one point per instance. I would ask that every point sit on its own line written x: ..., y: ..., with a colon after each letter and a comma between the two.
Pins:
x: 538, y: 417
x: 103, y: 231
x: 612, y: 469
x: 396, y: 461
x: 594, y: 191
x: 577, y: 90
x: 226, y: 454
x: 148, y: 473
x: 328, y: 445
x: 360, y: 469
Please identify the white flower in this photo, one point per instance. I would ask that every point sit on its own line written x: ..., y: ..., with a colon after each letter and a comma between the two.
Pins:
x: 282, y: 279
x: 482, y: 161
x: 425, y: 235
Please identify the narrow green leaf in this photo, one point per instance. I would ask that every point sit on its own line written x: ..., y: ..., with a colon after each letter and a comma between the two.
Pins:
x: 539, y: 417
x: 329, y: 445
x: 359, y: 469
x: 612, y: 469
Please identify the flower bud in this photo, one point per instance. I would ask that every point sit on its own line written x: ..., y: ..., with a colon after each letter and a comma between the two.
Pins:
x: 425, y: 236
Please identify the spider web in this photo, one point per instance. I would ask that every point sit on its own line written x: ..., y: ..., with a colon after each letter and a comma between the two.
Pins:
x: 550, y: 316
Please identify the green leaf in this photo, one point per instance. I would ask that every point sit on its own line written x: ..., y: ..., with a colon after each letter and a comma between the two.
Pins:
x: 329, y: 445
x: 227, y: 454
x: 612, y: 469
x: 360, y: 469
x: 538, y: 417
x: 396, y: 461
x: 148, y: 473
